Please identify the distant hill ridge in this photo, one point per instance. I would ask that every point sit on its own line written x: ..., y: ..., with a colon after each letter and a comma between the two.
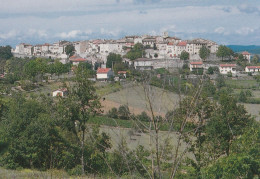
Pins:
x: 255, y: 49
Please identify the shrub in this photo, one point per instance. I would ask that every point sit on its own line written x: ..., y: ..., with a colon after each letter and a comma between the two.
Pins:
x: 75, y: 171
x: 123, y: 112
x: 113, y: 113
x: 143, y: 117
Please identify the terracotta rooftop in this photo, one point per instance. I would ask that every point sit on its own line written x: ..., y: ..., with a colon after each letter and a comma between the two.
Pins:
x: 103, y: 70
x: 196, y: 63
x: 78, y: 60
x: 182, y: 43
x: 253, y: 67
x: 245, y: 53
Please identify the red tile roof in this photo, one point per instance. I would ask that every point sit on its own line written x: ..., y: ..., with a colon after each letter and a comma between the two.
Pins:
x: 245, y: 53
x: 182, y: 43
x: 227, y: 65
x: 170, y: 43
x: 103, y: 70
x: 78, y: 60
x: 253, y: 67
x: 196, y: 63
x: 46, y: 44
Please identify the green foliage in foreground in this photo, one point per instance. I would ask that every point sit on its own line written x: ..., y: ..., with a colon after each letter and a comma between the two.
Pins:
x: 45, y: 134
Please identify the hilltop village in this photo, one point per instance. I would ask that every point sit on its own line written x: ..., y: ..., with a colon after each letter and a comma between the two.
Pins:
x: 158, y: 52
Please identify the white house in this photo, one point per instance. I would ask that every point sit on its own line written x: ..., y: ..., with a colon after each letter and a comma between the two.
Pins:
x: 111, y: 46
x: 226, y: 68
x: 252, y: 69
x: 46, y: 48
x: 24, y: 49
x: 143, y: 64
x: 181, y: 46
x: 149, y: 41
x: 80, y: 47
x: 37, y: 50
x: 196, y: 65
x: 60, y: 92
x: 246, y: 55
x: 104, y: 73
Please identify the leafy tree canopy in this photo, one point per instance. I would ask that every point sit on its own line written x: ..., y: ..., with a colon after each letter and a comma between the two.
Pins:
x: 224, y: 52
x: 138, y: 51
x: 184, y: 55
x: 70, y: 50
x: 5, y: 52
x: 204, y: 52
x: 112, y: 59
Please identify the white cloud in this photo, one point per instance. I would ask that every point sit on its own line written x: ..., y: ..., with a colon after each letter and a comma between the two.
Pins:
x: 114, y: 32
x: 9, y: 35
x: 220, y: 30
x: 245, y: 31
x: 74, y: 34
x: 39, y: 33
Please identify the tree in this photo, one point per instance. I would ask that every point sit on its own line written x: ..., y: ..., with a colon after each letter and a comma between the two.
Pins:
x: 70, y: 50
x: 138, y: 51
x: 229, y: 118
x: 29, y: 130
x: 204, y: 52
x: 113, y: 113
x: 220, y: 81
x: 119, y: 67
x: 112, y: 59
x: 210, y: 71
x: 201, y: 115
x: 81, y: 104
x: 5, y: 52
x: 184, y: 55
x: 241, y: 58
x: 36, y: 67
x: 223, y: 52
x: 123, y: 112
x: 255, y: 59
x: 155, y: 55
x: 243, y: 161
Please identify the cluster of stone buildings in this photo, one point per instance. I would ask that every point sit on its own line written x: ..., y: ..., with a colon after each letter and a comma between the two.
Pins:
x: 157, y: 47
x: 224, y: 68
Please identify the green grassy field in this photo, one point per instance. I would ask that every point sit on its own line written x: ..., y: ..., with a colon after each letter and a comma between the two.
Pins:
x: 104, y: 88
x: 242, y: 84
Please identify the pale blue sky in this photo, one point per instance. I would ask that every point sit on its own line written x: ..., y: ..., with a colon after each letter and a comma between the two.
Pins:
x: 39, y: 21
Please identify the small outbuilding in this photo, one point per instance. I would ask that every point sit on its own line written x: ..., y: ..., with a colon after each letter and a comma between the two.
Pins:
x: 122, y: 73
x: 60, y: 92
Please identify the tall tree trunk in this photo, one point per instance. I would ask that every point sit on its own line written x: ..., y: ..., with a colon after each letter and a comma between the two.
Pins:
x: 82, y: 152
